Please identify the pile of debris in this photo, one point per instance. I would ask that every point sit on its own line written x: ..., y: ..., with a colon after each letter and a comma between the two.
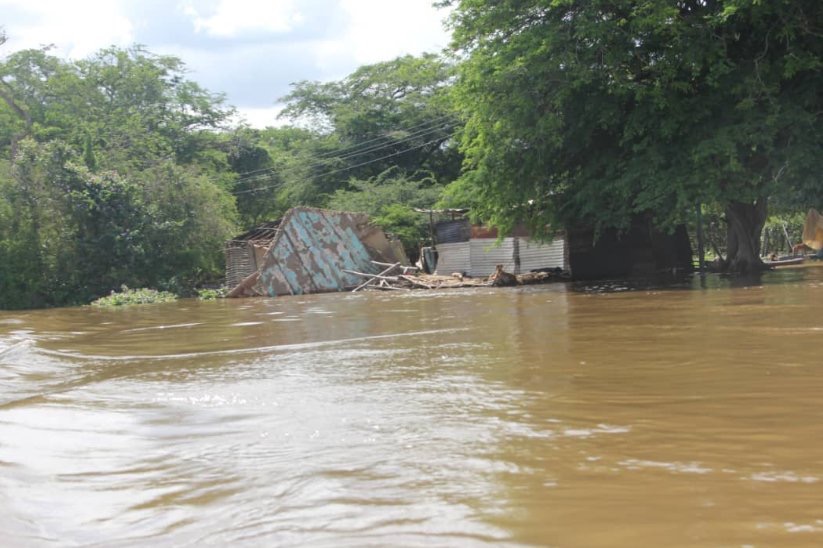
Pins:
x: 397, y: 277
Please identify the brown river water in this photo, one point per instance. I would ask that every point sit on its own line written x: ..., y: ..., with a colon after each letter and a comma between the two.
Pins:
x: 560, y: 415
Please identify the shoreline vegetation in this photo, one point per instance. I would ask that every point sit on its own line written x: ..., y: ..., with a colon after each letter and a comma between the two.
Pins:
x: 407, y: 281
x: 128, y: 297
x: 117, y: 169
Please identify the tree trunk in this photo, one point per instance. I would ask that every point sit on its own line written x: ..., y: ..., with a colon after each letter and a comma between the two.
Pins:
x: 745, y: 223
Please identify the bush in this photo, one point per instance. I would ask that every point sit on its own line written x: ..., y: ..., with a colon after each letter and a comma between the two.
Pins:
x: 128, y: 296
x: 211, y: 294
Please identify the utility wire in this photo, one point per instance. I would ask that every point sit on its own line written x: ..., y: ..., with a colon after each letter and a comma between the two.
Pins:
x: 390, y: 144
x: 352, y: 150
x: 349, y: 167
x: 393, y: 144
x: 295, y: 168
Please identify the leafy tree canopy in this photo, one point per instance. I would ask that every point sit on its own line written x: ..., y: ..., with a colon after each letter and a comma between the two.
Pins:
x: 390, y: 199
x: 113, y: 174
x: 594, y: 111
x: 393, y: 117
x: 384, y: 115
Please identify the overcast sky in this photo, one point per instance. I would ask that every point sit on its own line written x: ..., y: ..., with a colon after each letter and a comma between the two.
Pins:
x: 251, y: 50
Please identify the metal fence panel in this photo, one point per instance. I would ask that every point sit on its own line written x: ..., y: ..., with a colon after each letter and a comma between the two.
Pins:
x: 486, y: 254
x: 452, y: 258
x: 535, y: 255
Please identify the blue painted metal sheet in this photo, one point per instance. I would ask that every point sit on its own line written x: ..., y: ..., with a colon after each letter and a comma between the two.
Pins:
x: 311, y: 250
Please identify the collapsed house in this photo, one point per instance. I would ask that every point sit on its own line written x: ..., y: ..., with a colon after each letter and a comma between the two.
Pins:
x: 309, y: 250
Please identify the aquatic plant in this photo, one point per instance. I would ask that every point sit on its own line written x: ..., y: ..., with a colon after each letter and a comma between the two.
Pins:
x: 128, y: 296
x: 211, y: 294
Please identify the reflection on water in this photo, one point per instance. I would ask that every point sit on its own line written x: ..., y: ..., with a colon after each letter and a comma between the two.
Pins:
x: 609, y: 414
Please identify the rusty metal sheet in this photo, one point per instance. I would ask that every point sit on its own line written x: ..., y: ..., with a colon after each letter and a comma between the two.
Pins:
x: 311, y: 250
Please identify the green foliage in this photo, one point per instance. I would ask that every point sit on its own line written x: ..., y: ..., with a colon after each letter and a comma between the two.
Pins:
x: 127, y: 297
x: 390, y: 199
x: 394, y: 114
x: 776, y: 229
x: 190, y: 220
x: 260, y: 159
x: 592, y: 112
x: 114, y: 175
x: 211, y: 294
x: 405, y: 224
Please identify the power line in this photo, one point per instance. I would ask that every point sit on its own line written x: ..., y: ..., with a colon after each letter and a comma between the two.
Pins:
x: 408, y: 137
x: 393, y: 144
x: 352, y: 150
x: 433, y: 121
x: 350, y: 167
x: 347, y: 168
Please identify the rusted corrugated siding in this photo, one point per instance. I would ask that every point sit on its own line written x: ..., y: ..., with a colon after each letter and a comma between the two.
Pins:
x: 311, y: 250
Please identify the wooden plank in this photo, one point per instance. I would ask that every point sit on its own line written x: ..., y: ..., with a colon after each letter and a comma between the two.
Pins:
x: 372, y: 280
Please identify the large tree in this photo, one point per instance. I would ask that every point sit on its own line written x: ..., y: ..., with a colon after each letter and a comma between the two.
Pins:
x: 595, y: 111
x: 110, y: 173
x: 389, y: 124
x: 393, y: 114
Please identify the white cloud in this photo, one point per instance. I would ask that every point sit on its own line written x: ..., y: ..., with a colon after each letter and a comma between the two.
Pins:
x: 250, y: 49
x: 384, y: 29
x: 76, y: 28
x: 232, y: 17
x: 380, y: 30
x: 262, y: 117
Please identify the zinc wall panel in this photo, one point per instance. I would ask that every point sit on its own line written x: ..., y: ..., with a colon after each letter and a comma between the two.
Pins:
x: 453, y: 258
x: 486, y: 254
x: 310, y: 252
x: 535, y: 255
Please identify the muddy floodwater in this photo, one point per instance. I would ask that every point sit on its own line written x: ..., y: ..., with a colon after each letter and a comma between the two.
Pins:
x: 561, y: 415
